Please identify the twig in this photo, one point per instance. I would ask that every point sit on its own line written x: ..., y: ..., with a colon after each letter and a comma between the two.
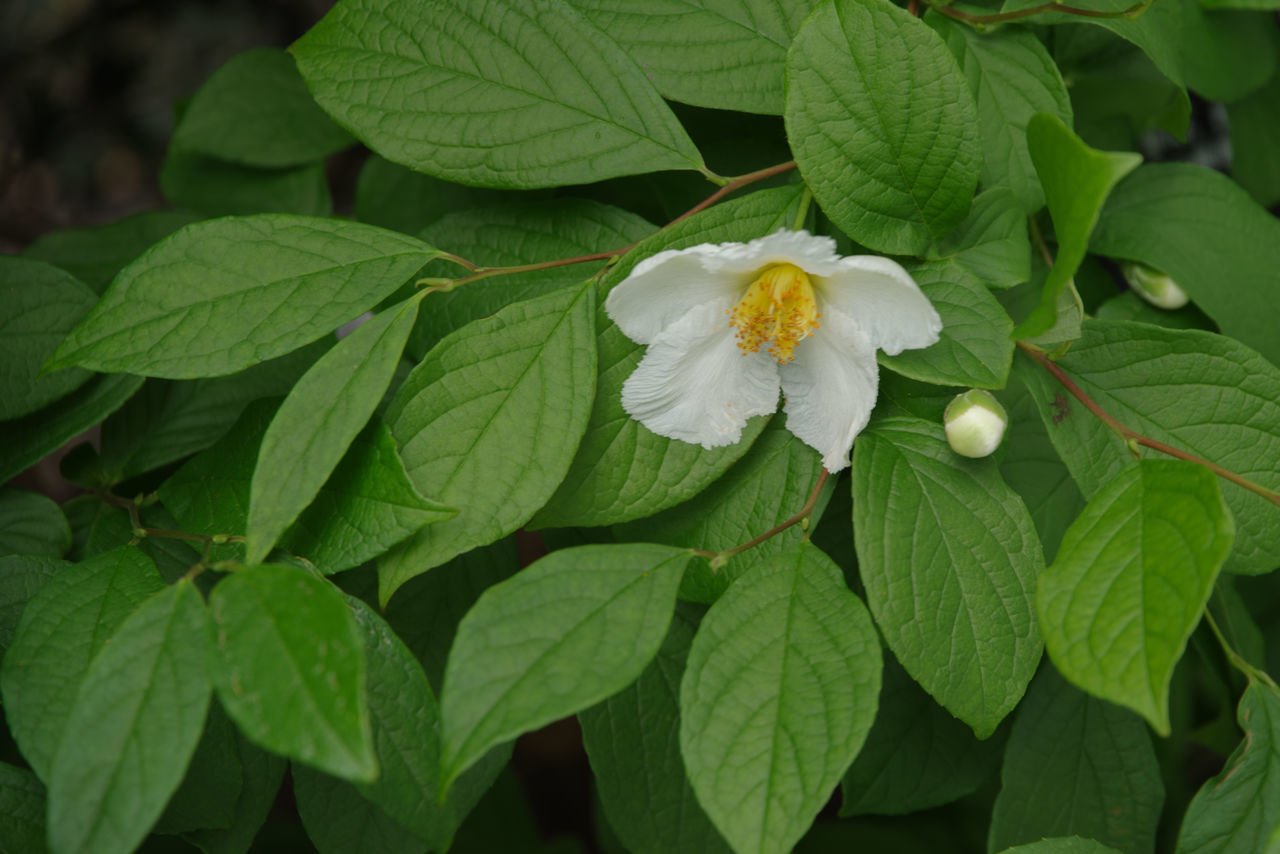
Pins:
x: 718, y: 559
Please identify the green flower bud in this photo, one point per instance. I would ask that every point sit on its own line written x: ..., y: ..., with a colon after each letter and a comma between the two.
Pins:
x: 975, y: 423
x: 1153, y: 286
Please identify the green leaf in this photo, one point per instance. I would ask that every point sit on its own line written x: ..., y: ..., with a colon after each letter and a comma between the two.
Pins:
x: 1076, y: 766
x: 95, y: 254
x: 949, y: 566
x: 22, y: 808
x: 217, y: 188
x: 1062, y: 845
x: 219, y: 296
x: 1205, y: 232
x: 1076, y: 180
x: 317, y: 422
x: 992, y: 242
x: 974, y: 348
x: 1131, y: 580
x: 1227, y: 55
x: 1255, y: 157
x: 1012, y: 77
x: 510, y: 94
x: 262, y: 773
x: 917, y: 755
x: 63, y: 627
x: 622, y: 470
x: 213, y: 783
x: 514, y: 234
x: 134, y: 726
x: 1238, y: 811
x: 777, y: 697
x: 1129, y: 306
x: 632, y: 740
x: 39, y: 304
x: 489, y: 422
x: 21, y: 577
x: 287, y: 661
x: 769, y: 484
x: 572, y: 629
x: 255, y: 110
x: 728, y: 56
x: 31, y: 524
x: 339, y: 821
x: 391, y: 196
x: 882, y: 124
x: 1200, y: 392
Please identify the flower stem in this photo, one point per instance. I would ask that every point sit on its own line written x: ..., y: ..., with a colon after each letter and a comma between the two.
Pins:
x: 1252, y: 673
x: 803, y: 212
x: 718, y: 559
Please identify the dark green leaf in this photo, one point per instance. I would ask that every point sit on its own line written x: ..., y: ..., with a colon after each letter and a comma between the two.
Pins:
x: 1062, y: 845
x: 992, y: 242
x: 1255, y: 157
x: 31, y: 524
x: 21, y: 577
x: 217, y: 188
x: 391, y: 196
x: 261, y: 775
x: 22, y: 808
x: 214, y: 782
x: 339, y: 821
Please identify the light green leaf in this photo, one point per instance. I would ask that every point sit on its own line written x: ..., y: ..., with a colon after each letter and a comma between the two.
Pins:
x: 255, y: 110
x: 1197, y: 391
x: 1218, y: 245
x: 1012, y: 77
x: 632, y: 740
x: 572, y: 629
x: 63, y: 627
x: 287, y: 661
x: 992, y: 242
x: 21, y: 577
x: 489, y: 422
x: 134, y: 726
x: 1131, y: 580
x: 31, y: 524
x: 1076, y: 766
x: 217, y: 188
x: 1076, y: 180
x: 949, y: 566
x: 513, y: 93
x: 622, y: 470
x: 39, y: 304
x: 219, y: 296
x: 882, y: 124
x: 777, y: 697
x: 1255, y: 126
x: 1238, y: 811
x: 95, y: 254
x: 22, y: 809
x: 1062, y: 845
x: 974, y: 348
x: 317, y: 422
x: 724, y: 55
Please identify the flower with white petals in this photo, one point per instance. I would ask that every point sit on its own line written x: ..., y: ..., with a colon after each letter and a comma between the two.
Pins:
x: 727, y: 324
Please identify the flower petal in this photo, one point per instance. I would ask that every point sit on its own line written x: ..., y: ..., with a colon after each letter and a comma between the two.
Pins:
x: 694, y: 384
x: 884, y: 300
x: 830, y: 388
x: 665, y: 287
x: 815, y: 254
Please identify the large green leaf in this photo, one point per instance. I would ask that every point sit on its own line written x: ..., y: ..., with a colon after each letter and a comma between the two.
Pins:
x: 1131, y: 580
x: 133, y: 728
x: 1238, y: 811
x: 21, y: 577
x: 1012, y: 77
x: 392, y: 196
x: 777, y: 697
x: 1062, y: 845
x: 1204, y: 231
x: 991, y: 242
x: 70, y: 619
x: 622, y: 470
x: 218, y: 188
x: 262, y: 773
x: 1255, y: 157
x: 633, y: 742
x: 949, y: 557
x: 255, y: 109
x: 287, y: 661
x: 510, y: 93
x: 39, y: 304
x: 1197, y: 391
x: 1076, y: 181
x: 22, y: 809
x: 489, y: 422
x: 713, y: 54
x: 882, y: 124
x: 31, y: 524
x: 339, y: 821
x: 572, y: 629
x: 1076, y: 766
x: 222, y: 295
x: 214, y: 781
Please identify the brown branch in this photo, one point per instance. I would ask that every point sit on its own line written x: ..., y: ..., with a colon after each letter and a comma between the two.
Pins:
x: 718, y: 558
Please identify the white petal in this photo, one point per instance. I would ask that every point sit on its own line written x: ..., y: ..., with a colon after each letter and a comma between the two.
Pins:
x: 694, y: 384
x: 815, y: 254
x: 665, y: 287
x: 884, y: 300
x: 830, y: 388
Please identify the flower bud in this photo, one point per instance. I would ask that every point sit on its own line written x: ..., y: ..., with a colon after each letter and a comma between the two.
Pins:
x: 1153, y: 286
x: 975, y: 423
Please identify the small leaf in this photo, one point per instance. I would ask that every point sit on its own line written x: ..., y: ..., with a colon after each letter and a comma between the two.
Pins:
x: 287, y: 661
x: 135, y: 723
x: 31, y: 524
x: 777, y: 697
x: 569, y: 631
x: 219, y: 296
x: 992, y: 242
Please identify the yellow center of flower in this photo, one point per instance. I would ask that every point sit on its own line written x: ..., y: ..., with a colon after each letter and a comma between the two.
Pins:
x: 778, y: 309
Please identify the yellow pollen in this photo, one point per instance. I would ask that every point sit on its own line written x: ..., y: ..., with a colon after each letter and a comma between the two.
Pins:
x: 779, y: 310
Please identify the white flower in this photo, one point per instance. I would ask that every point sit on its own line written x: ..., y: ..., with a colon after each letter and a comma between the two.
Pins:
x: 728, y: 323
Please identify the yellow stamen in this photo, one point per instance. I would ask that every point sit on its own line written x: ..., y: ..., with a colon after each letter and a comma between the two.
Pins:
x: 778, y: 309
